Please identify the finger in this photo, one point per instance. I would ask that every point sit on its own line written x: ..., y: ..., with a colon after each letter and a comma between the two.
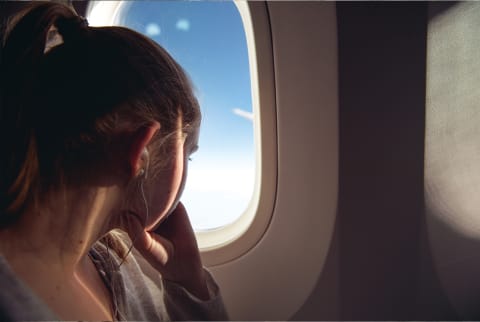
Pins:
x: 177, y: 224
x: 178, y: 230
x: 134, y: 226
x: 155, y: 248
x: 160, y: 249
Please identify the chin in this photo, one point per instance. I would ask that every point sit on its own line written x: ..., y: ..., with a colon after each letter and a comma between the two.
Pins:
x: 155, y: 224
x: 151, y: 226
x: 157, y: 221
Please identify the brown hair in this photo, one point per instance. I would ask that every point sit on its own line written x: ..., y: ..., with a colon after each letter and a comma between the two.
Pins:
x: 59, y: 109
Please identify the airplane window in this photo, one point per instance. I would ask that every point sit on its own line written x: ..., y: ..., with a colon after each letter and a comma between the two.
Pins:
x: 208, y: 40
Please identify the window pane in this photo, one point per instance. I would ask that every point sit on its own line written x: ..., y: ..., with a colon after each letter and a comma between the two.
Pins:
x: 208, y: 40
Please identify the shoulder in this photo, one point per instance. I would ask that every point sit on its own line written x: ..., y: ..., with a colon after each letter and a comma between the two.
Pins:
x: 140, y: 292
x: 17, y: 300
x: 136, y: 287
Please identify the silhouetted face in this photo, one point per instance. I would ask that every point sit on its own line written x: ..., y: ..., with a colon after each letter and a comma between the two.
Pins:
x: 165, y: 192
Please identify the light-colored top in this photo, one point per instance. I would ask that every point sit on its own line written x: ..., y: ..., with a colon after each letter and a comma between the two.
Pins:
x: 138, y: 292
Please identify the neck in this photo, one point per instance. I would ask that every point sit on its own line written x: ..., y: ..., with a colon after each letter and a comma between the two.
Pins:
x: 48, y: 247
x: 60, y: 235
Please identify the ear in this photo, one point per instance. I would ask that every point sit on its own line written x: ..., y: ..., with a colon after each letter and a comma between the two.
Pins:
x: 141, y: 139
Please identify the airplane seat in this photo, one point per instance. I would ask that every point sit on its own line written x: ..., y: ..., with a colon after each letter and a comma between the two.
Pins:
x: 391, y: 251
x: 452, y: 151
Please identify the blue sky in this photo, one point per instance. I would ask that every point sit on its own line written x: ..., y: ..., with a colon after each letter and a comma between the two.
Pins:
x: 208, y: 40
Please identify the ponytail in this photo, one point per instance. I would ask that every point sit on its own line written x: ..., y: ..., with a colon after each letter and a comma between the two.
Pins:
x: 22, y: 53
x: 62, y: 103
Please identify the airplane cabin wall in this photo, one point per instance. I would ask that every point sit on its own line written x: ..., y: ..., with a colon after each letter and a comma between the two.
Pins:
x: 380, y: 265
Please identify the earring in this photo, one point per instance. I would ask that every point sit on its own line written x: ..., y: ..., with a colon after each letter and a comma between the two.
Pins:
x: 146, y: 158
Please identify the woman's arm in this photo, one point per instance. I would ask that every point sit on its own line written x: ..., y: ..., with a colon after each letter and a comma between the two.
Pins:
x: 172, y: 250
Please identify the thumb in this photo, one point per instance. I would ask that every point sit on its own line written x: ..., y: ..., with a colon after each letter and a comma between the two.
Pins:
x: 156, y: 249
x: 134, y: 226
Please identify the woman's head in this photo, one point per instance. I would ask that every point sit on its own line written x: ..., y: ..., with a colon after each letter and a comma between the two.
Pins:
x: 67, y: 110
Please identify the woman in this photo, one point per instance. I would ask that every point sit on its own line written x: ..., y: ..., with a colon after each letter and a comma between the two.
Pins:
x: 98, y: 125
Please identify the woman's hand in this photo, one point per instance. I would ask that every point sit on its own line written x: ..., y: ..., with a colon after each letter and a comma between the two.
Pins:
x: 172, y: 249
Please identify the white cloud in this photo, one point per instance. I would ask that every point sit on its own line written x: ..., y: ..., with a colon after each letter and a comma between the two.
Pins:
x: 217, y: 196
x: 183, y: 25
x: 153, y: 29
x: 232, y: 180
x: 243, y: 113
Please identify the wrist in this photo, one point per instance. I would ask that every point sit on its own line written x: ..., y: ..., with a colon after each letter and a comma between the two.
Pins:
x: 195, y: 284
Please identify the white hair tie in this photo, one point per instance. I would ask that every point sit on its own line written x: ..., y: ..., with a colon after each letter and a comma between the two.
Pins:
x: 53, y: 39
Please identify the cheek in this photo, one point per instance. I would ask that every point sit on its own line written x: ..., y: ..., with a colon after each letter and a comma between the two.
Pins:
x: 183, y: 176
x: 166, y: 193
x: 178, y: 177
